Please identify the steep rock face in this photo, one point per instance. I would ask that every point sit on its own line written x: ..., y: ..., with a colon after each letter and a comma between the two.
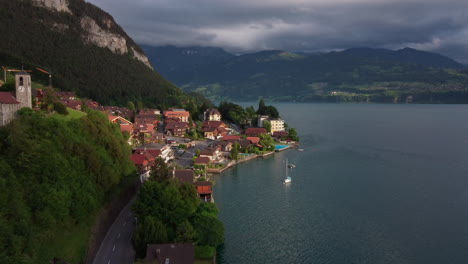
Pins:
x: 102, y: 38
x: 59, y: 5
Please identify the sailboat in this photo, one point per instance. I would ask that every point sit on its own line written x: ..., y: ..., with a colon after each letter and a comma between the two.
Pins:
x: 288, y: 178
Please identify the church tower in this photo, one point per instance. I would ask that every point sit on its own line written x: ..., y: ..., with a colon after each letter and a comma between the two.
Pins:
x: 23, y: 89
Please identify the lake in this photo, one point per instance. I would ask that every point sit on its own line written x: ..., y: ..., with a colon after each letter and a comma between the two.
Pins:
x: 376, y: 183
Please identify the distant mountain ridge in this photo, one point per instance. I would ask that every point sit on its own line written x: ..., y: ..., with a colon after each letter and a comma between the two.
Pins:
x: 86, y: 51
x: 356, y: 74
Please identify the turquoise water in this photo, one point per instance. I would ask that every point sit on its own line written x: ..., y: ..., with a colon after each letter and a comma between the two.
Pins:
x: 375, y: 184
x: 278, y: 147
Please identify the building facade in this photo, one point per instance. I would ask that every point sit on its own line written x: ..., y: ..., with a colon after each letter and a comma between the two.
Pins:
x: 11, y: 102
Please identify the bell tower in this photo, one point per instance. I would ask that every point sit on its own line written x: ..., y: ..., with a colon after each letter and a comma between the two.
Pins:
x: 23, y: 89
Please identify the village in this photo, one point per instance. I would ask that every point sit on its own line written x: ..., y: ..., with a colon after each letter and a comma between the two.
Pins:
x: 165, y: 135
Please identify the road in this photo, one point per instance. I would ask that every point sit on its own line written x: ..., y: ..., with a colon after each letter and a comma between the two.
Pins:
x: 117, y: 245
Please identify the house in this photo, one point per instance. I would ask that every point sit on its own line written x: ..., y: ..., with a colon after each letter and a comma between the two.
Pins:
x: 117, y: 111
x: 177, y: 129
x: 225, y: 146
x: 181, y: 114
x: 204, y: 190
x: 149, y: 111
x: 231, y: 138
x: 212, y: 114
x: 214, y: 129
x: 213, y: 153
x: 127, y: 128
x: 39, y: 95
x: 118, y: 120
x: 165, y: 151
x: 210, y: 132
x: 73, y: 104
x: 202, y: 161
x: 254, y: 140
x: 277, y: 124
x: 11, y: 102
x: 280, y: 134
x: 66, y: 96
x: 143, y: 165
x: 184, y: 176
x: 170, y: 254
x: 255, y: 131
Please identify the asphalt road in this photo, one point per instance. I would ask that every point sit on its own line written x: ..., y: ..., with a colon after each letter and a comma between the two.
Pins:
x: 117, y: 245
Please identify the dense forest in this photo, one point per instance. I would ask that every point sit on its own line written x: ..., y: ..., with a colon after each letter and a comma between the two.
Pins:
x: 171, y: 212
x: 33, y: 36
x: 357, y: 75
x: 54, y: 176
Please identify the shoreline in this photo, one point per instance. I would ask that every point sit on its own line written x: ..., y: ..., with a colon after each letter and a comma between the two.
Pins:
x: 250, y: 157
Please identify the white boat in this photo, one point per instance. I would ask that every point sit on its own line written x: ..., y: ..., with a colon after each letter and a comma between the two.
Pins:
x: 288, y: 178
x: 300, y: 150
x: 291, y: 166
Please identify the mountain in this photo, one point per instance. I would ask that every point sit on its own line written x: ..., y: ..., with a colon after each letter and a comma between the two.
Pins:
x: 84, y: 48
x: 175, y: 63
x: 357, y: 74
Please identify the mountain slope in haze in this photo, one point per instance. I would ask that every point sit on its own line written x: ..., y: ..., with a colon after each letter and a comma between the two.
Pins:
x: 359, y: 74
x: 176, y: 63
x: 84, y: 48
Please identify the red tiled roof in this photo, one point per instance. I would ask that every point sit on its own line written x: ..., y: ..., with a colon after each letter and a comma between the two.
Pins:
x: 255, y: 131
x: 214, y: 124
x: 126, y: 128
x: 254, y: 140
x: 202, y: 160
x: 139, y: 159
x: 7, y: 98
x: 176, y: 125
x: 229, y: 138
x: 209, y: 129
x: 170, y: 253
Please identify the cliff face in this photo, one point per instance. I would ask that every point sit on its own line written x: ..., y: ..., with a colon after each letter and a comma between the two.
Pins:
x: 59, y: 5
x: 102, y: 35
x: 87, y: 51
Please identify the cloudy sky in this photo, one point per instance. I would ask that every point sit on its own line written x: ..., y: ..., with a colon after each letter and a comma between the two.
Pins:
x: 297, y: 25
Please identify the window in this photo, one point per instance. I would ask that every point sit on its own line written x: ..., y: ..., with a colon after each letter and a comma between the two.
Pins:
x: 21, y: 81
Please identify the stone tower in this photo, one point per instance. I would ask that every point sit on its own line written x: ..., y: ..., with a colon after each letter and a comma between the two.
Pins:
x: 23, y: 89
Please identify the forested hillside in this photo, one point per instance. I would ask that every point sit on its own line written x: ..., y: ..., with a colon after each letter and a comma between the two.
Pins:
x: 54, y: 175
x: 359, y: 74
x: 65, y: 44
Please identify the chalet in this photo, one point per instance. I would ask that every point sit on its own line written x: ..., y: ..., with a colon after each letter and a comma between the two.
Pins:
x: 143, y: 165
x: 184, y: 176
x: 127, y: 128
x: 146, y: 119
x: 117, y: 111
x: 214, y: 129
x: 177, y: 129
x: 39, y: 96
x: 225, y: 146
x: 212, y: 114
x: 182, y: 114
x: 170, y: 254
x: 204, y: 190
x: 255, y: 131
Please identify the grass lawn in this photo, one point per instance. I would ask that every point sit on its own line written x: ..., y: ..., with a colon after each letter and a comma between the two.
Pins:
x: 72, y: 114
x: 203, y: 261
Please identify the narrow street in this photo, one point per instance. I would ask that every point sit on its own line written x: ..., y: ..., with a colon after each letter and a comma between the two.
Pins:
x: 117, y: 245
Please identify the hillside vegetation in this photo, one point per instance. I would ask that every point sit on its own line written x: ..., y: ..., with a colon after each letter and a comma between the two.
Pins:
x: 54, y: 176
x: 360, y: 74
x: 33, y: 36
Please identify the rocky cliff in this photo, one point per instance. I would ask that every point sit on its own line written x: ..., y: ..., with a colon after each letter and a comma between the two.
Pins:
x: 105, y: 36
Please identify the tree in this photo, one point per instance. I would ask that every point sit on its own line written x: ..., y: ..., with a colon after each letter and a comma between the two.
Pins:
x: 267, y: 125
x: 160, y: 170
x: 235, y: 151
x: 185, y: 233
x: 149, y: 231
x: 131, y: 106
x: 293, y: 134
x: 210, y: 231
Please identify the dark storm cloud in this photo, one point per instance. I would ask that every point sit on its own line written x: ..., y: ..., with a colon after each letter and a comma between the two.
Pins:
x: 297, y: 25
